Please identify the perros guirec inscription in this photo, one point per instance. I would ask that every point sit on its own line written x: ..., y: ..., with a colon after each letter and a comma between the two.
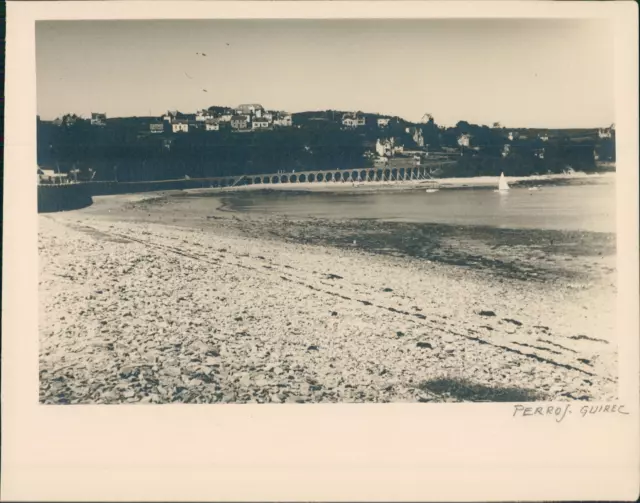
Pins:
x: 560, y: 412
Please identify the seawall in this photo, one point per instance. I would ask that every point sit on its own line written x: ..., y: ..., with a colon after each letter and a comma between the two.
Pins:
x: 63, y: 197
x: 79, y: 195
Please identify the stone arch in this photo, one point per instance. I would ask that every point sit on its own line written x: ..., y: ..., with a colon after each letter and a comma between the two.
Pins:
x: 320, y: 177
x: 354, y: 176
x: 266, y: 179
x: 275, y: 179
x: 402, y: 173
x: 394, y: 173
x: 387, y: 174
x: 345, y: 176
x: 371, y: 175
x: 363, y: 175
x: 311, y: 177
x: 284, y: 179
x: 379, y: 174
x: 257, y: 180
x: 302, y: 178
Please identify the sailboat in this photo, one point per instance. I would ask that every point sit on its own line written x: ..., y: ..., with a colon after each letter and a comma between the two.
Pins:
x: 503, y: 186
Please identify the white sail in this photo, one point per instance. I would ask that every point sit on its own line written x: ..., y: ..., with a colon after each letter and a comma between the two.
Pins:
x: 502, y: 184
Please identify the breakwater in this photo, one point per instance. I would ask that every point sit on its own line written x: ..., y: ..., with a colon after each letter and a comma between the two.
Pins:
x: 74, y: 196
x: 63, y: 197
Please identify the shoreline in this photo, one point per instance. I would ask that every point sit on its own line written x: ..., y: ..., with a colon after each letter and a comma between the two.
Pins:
x: 443, y: 184
x: 137, y: 307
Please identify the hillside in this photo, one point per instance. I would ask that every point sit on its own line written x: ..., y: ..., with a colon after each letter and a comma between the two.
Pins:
x: 126, y: 149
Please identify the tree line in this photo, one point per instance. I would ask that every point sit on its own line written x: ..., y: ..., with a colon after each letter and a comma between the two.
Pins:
x: 125, y: 150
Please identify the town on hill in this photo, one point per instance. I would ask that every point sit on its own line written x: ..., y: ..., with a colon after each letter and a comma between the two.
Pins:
x: 250, y: 139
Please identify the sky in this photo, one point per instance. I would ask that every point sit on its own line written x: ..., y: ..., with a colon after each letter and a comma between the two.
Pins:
x: 521, y: 73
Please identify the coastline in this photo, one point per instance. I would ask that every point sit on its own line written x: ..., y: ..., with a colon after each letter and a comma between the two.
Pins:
x: 443, y: 183
x: 140, y: 307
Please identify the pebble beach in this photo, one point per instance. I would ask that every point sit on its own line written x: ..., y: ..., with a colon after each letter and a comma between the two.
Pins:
x: 140, y: 304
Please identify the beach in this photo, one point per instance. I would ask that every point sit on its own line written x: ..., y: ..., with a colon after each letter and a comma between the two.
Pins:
x: 141, y: 301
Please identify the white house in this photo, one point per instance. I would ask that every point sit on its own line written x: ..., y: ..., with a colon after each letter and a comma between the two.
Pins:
x: 259, y: 123
x: 212, y: 125
x: 250, y: 109
x: 203, y: 115
x: 225, y: 118
x: 180, y: 126
x: 383, y: 122
x: 506, y: 149
x: 239, y: 122
x: 283, y: 121
x: 387, y: 147
x: 156, y: 128
x: 604, y: 133
x: 353, y: 120
x: 544, y: 137
x: 464, y: 140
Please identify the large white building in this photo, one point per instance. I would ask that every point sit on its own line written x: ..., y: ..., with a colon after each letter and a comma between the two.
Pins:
x: 353, y: 120
x: 180, y: 126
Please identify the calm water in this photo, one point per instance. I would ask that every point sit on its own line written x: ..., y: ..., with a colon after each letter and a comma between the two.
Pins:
x: 586, y: 207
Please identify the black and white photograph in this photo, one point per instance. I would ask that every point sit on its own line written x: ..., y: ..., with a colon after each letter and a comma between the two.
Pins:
x: 320, y: 251
x: 326, y: 211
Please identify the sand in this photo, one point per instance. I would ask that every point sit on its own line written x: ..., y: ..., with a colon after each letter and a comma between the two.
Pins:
x: 140, y: 310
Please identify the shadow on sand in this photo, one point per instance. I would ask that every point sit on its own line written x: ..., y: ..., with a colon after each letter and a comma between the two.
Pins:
x: 463, y: 390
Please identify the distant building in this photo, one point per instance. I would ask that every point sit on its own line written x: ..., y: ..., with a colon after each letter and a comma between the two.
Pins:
x: 464, y: 140
x: 539, y: 153
x: 170, y: 117
x: 250, y: 109
x: 383, y: 122
x: 513, y: 135
x: 353, y: 120
x: 416, y: 134
x: 180, y: 126
x: 239, y: 122
x: 259, y: 123
x: 283, y: 120
x: 604, y: 133
x: 386, y: 147
x: 98, y: 119
x: 212, y: 125
x: 225, y: 118
x: 203, y: 116
x: 506, y: 149
x: 47, y: 176
x: 544, y: 137
x: 156, y: 128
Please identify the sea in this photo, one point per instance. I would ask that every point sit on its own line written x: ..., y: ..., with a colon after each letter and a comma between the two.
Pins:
x: 570, y: 206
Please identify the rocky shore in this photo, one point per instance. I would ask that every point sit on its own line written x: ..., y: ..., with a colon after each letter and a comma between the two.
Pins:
x: 137, y: 309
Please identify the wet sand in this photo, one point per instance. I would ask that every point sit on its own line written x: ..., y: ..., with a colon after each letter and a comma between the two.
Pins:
x: 142, y: 302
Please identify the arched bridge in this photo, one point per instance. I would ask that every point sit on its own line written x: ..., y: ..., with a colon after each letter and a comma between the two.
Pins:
x: 375, y: 174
